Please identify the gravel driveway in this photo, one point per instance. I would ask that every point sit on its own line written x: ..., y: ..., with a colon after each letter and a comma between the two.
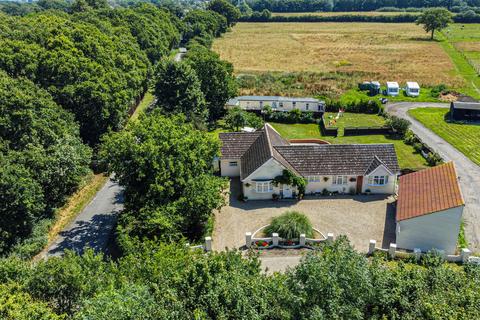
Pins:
x: 361, y: 218
x: 468, y: 172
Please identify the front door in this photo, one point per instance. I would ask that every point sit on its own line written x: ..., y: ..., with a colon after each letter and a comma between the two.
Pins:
x: 359, y: 184
x: 287, y: 191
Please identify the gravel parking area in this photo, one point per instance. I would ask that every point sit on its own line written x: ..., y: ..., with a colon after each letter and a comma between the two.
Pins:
x: 361, y: 218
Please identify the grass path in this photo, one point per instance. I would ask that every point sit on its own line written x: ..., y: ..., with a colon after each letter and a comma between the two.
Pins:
x: 464, y: 137
x: 462, y: 67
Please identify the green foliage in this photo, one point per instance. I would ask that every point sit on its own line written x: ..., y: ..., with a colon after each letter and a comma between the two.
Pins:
x: 43, y: 154
x: 226, y: 9
x: 433, y: 159
x: 132, y: 302
x: 165, y: 167
x: 203, y: 25
x: 216, y: 77
x: 290, y: 225
x: 22, y: 202
x: 289, y: 178
x: 435, y: 19
x: 178, y: 90
x: 65, y: 282
x: 237, y: 118
x: 16, y: 304
x: 400, y: 125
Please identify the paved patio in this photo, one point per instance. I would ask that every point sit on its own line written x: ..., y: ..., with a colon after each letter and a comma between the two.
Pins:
x: 361, y: 218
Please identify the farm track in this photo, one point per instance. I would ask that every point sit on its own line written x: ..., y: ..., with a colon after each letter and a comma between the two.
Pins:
x: 468, y: 172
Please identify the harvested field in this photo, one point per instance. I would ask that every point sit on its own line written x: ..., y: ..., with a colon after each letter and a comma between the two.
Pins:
x: 398, y: 52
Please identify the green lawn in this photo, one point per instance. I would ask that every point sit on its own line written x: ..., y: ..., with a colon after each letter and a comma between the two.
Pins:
x: 464, y: 137
x: 406, y: 154
x: 354, y: 120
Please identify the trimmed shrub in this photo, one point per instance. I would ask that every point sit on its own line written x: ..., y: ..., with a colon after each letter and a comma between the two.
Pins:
x: 290, y: 225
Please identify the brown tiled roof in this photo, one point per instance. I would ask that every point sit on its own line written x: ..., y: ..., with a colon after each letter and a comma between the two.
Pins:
x: 427, y: 191
x: 352, y: 159
x: 234, y: 144
x: 376, y: 162
x: 254, y: 149
x: 263, y: 149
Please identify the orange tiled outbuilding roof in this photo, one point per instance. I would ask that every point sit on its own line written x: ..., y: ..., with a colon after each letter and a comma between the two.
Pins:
x: 427, y: 191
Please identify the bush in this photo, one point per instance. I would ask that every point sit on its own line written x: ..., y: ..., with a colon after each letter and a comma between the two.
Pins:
x: 290, y: 225
x: 410, y: 138
x: 434, y: 159
x: 437, y: 90
x: 399, y: 125
x: 293, y: 116
x: 357, y: 106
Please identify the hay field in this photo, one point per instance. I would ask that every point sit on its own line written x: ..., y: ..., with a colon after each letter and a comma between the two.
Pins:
x: 349, y: 13
x: 384, y: 52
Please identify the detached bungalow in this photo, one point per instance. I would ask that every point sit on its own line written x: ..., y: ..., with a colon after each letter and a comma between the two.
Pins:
x: 257, y: 103
x: 465, y: 111
x: 259, y: 157
x: 429, y: 209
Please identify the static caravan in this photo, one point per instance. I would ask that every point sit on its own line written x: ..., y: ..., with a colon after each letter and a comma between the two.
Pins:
x: 393, y: 89
x: 412, y: 89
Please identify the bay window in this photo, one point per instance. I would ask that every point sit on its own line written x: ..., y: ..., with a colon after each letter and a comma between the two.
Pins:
x: 378, y: 180
x: 263, y: 187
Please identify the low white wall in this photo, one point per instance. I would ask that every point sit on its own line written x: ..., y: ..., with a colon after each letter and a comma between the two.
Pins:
x: 227, y: 171
x: 433, y: 231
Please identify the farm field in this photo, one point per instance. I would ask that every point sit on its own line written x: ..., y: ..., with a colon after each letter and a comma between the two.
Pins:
x: 464, y: 137
x: 462, y: 43
x: 407, y: 156
x: 350, y: 13
x: 330, y: 58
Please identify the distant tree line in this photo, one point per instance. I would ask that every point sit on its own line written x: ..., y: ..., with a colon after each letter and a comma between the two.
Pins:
x: 468, y: 16
x: 352, y: 5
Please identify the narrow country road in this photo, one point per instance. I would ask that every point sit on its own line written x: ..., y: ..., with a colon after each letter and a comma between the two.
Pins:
x: 468, y: 172
x: 93, y: 227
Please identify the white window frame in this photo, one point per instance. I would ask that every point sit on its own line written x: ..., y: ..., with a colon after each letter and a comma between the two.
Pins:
x: 233, y: 163
x: 340, y: 180
x: 263, y: 186
x: 377, y: 181
x: 313, y: 178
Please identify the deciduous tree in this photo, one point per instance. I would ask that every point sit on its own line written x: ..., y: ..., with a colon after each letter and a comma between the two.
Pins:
x: 435, y: 19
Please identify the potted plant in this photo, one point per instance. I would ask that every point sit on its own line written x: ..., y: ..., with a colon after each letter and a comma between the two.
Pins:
x: 368, y: 191
x: 275, y: 197
x: 325, y: 179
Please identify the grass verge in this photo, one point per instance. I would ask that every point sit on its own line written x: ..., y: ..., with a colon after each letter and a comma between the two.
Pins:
x: 75, y: 204
x: 464, y: 137
x: 147, y: 100
x: 462, y: 67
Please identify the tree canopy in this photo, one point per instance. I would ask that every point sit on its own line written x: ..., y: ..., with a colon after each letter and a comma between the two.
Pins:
x: 435, y: 19
x: 178, y: 90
